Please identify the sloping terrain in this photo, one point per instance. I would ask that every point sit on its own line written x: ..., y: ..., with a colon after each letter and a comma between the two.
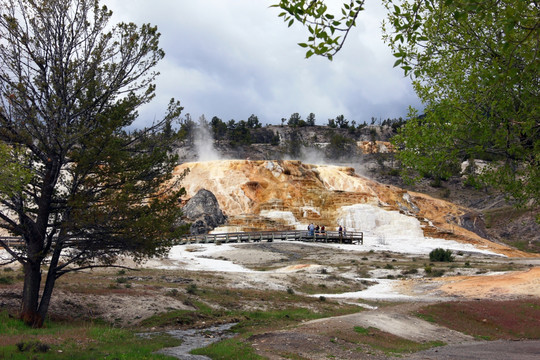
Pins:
x: 277, y: 195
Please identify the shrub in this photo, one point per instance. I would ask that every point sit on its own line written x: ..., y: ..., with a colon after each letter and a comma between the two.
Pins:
x: 410, y: 271
x: 33, y: 346
x: 6, y: 280
x: 440, y: 254
x: 191, y: 289
x: 437, y: 273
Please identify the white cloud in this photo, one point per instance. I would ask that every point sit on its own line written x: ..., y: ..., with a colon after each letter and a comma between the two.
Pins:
x: 236, y: 58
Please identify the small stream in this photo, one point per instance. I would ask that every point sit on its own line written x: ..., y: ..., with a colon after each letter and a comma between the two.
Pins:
x: 194, y: 339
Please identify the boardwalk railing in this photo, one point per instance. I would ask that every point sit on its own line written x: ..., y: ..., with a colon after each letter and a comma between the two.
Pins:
x: 348, y: 237
x: 12, y: 241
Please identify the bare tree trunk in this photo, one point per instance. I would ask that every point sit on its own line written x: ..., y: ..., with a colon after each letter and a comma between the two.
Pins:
x: 29, y: 305
x: 32, y: 282
x: 49, y: 286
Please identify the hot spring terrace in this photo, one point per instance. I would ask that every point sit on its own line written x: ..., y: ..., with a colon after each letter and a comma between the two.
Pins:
x: 347, y: 237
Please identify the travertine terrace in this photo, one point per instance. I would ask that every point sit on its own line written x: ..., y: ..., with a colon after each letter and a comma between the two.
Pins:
x: 289, y: 194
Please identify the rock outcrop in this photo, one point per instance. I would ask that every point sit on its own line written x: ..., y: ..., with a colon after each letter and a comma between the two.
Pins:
x: 203, y: 212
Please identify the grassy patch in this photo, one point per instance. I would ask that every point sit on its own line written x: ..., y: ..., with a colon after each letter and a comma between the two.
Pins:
x: 6, y: 280
x: 183, y: 318
x: 76, y: 341
x: 327, y: 288
x: 361, y: 330
x: 229, y: 349
x: 291, y: 356
x: 259, y: 321
x: 426, y: 317
x: 513, y: 319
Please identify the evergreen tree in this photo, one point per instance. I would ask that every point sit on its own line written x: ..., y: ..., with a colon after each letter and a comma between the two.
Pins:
x: 88, y: 190
x: 310, y: 121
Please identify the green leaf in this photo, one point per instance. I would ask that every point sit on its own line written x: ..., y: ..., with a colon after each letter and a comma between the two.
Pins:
x: 406, y: 68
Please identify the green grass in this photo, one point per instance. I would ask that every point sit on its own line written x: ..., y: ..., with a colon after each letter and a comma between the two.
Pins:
x: 6, y: 280
x: 276, y: 319
x: 257, y: 322
x: 361, y: 330
x: 330, y: 288
x: 426, y: 317
x: 84, y: 341
x: 188, y: 317
x: 229, y: 349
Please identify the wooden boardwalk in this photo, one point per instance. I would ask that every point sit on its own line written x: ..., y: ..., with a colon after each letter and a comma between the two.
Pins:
x: 12, y: 241
x: 348, y: 237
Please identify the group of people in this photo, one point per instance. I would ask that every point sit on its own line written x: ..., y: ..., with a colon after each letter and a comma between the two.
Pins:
x: 315, y: 229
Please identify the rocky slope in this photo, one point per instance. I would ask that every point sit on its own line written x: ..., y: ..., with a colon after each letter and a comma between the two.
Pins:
x: 289, y: 194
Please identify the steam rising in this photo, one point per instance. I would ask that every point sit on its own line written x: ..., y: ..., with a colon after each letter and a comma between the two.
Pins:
x: 204, y: 144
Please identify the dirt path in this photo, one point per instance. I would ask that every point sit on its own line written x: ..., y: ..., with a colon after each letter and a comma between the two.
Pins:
x: 325, y: 338
x: 492, y: 350
x: 320, y: 338
x: 394, y: 320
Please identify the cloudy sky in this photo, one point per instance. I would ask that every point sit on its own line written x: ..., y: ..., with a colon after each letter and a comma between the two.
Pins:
x: 234, y: 58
